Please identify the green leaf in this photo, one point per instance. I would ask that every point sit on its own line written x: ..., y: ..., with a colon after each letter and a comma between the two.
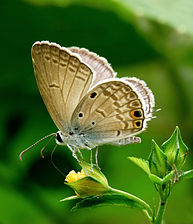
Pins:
x: 108, y: 200
x: 158, y: 161
x: 169, y: 176
x: 143, y: 164
x: 175, y: 149
x: 157, y: 180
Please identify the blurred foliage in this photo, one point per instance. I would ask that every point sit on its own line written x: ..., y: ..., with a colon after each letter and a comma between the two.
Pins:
x: 151, y: 40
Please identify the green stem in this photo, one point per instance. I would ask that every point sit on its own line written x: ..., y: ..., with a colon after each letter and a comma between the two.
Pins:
x: 160, y: 213
x: 147, y: 209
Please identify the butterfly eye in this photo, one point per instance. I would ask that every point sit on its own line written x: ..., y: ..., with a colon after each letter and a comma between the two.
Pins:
x: 137, y: 124
x: 118, y: 133
x: 136, y: 114
x: 80, y: 114
x: 92, y: 95
x: 93, y: 123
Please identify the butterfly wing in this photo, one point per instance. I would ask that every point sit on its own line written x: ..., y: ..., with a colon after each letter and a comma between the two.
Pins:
x: 100, y: 65
x: 63, y: 79
x: 114, y: 109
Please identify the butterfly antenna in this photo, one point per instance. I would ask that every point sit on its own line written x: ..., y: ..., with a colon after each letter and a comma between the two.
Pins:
x: 21, y: 154
x: 54, y: 165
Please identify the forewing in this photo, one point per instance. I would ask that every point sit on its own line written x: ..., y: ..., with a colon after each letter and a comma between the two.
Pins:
x: 100, y: 65
x: 62, y: 79
x: 112, y: 110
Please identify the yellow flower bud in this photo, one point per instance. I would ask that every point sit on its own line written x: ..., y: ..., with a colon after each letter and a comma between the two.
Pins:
x: 73, y: 176
x: 87, y: 182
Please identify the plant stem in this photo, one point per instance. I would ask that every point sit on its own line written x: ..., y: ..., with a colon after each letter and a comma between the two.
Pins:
x: 160, y: 213
x: 147, y: 209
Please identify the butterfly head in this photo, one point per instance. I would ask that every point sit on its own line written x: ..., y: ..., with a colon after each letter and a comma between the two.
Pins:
x: 61, y: 138
x: 74, y: 138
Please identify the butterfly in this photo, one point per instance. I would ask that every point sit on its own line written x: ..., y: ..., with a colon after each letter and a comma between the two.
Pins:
x: 87, y: 102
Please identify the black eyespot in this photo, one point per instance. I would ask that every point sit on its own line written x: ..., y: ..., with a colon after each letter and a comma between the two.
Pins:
x: 80, y: 114
x: 92, y: 95
x: 59, y: 139
x: 138, y: 123
x: 137, y: 113
x: 70, y: 133
x: 93, y: 123
x: 118, y: 133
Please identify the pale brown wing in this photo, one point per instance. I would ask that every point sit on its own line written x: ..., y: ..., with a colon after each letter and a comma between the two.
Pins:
x: 110, y: 111
x: 100, y: 65
x: 62, y: 80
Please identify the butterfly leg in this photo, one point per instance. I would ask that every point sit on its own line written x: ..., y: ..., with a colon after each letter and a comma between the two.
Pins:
x: 91, y: 160
x: 96, y: 155
x: 73, y: 152
x: 80, y: 154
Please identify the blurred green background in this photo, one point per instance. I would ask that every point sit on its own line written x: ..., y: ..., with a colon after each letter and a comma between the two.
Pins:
x: 151, y: 40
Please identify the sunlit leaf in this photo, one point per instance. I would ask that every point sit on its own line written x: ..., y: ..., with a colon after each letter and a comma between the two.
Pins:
x: 143, y: 164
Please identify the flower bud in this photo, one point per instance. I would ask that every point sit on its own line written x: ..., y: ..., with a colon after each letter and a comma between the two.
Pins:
x: 158, y: 161
x: 175, y: 149
x: 88, y: 182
